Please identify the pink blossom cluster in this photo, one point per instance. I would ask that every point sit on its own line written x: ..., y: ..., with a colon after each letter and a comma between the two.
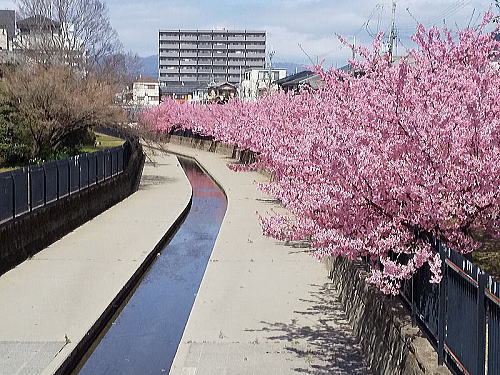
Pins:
x: 368, y: 161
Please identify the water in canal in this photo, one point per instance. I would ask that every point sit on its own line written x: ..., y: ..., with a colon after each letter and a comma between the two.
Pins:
x: 144, y: 336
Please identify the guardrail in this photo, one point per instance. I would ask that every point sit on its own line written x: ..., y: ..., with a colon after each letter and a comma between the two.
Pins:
x: 461, y: 314
x: 27, y: 189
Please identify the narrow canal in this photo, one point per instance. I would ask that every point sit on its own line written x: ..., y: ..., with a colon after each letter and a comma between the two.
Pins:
x: 143, y: 337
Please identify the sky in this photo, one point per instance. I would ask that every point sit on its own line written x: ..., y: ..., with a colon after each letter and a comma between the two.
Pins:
x: 298, y: 31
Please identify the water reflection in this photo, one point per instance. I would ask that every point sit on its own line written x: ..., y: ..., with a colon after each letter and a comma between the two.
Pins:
x: 144, y: 337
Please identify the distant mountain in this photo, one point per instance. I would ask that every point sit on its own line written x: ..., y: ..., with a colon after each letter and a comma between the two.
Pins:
x: 150, y: 66
x: 291, y: 68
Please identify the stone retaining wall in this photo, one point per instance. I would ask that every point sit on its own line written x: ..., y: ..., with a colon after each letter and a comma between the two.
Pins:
x: 26, y: 235
x: 392, y: 346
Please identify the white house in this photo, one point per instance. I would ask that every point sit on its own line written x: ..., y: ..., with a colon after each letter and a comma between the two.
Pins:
x: 257, y: 82
x: 146, y: 92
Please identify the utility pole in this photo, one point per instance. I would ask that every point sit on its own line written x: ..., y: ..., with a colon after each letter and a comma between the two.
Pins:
x: 271, y: 55
x: 392, y: 35
x: 354, y: 48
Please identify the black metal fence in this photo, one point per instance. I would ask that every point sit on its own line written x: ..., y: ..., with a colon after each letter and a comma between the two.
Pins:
x: 27, y: 189
x: 461, y: 314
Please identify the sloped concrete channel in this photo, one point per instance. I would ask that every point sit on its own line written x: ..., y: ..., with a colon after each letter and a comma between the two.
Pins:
x: 143, y: 336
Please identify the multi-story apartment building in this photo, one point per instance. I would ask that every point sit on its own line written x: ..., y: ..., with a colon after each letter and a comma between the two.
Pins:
x: 191, y: 57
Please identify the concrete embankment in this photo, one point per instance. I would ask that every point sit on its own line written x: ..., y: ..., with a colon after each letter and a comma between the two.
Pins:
x: 33, y: 231
x: 52, y: 302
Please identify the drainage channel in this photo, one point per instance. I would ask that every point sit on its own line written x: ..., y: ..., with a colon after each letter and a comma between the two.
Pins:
x: 143, y: 336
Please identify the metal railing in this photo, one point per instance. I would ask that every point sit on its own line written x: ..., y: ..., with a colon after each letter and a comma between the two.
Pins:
x: 461, y: 314
x: 27, y: 189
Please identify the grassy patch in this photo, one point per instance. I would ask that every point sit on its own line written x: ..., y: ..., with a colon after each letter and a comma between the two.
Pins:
x: 7, y: 169
x: 103, y: 141
x: 488, y: 255
x: 488, y: 261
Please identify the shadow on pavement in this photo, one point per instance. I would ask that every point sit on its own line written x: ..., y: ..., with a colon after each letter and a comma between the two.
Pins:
x: 320, y: 335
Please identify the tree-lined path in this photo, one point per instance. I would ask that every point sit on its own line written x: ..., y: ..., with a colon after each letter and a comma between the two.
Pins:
x: 262, y: 307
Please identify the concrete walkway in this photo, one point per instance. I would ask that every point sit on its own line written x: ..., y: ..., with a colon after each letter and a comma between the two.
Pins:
x: 263, y: 307
x: 50, y: 301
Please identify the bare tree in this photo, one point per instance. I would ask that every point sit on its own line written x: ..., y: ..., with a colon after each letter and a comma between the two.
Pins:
x: 75, y: 32
x: 53, y: 107
x: 120, y: 69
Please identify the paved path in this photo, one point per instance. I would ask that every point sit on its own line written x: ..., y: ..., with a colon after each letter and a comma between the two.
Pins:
x: 50, y: 301
x: 263, y: 307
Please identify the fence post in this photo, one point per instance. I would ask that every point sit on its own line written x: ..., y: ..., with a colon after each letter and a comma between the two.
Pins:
x: 442, y: 306
x: 44, y: 186
x: 69, y: 177
x: 413, y: 308
x: 13, y: 195
x: 30, y: 189
x: 481, y: 323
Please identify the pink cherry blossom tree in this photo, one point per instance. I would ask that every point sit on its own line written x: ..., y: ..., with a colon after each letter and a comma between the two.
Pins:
x: 369, y: 163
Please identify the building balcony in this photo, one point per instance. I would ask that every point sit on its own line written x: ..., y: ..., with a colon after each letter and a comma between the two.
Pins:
x: 207, y: 46
x: 204, y: 77
x: 219, y: 70
x: 204, y: 61
x: 201, y: 71
x: 168, y: 70
x: 236, y: 54
x: 256, y: 47
x: 188, y: 61
x: 169, y: 62
x: 204, y: 53
x: 239, y: 37
x: 220, y: 46
x: 255, y: 63
x: 167, y: 37
x: 169, y: 54
x: 256, y: 54
x: 190, y: 69
x: 205, y: 37
x: 188, y: 54
x: 169, y: 45
x: 236, y: 45
x: 235, y: 62
x: 188, y: 37
x: 219, y: 62
x: 219, y: 37
x: 170, y: 79
x: 188, y: 45
x: 259, y: 38
x: 235, y: 70
x: 220, y: 55
x: 188, y: 78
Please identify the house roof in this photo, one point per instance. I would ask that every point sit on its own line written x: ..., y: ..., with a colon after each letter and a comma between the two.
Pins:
x: 37, y: 22
x: 305, y: 76
x: 8, y: 22
x: 222, y: 86
x: 294, y: 78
